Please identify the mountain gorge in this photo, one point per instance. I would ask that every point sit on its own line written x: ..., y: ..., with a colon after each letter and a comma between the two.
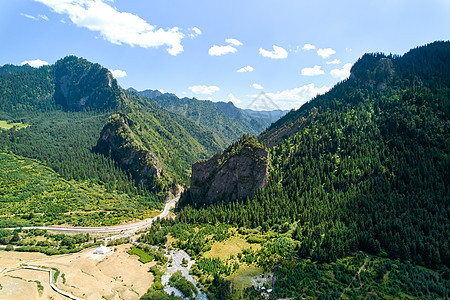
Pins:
x: 86, y: 128
x: 345, y: 197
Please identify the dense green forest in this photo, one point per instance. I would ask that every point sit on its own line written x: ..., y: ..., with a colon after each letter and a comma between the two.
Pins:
x: 359, y: 277
x: 65, y: 107
x: 357, y: 196
x: 33, y: 194
x: 225, y: 119
x: 177, y: 141
x: 367, y: 168
x: 206, y: 114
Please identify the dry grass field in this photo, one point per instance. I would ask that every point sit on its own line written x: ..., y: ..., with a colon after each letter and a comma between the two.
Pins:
x: 231, y: 246
x: 114, y: 275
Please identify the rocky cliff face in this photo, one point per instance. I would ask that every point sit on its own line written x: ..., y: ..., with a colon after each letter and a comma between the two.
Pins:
x: 81, y: 84
x: 237, y: 173
x: 118, y: 140
x: 374, y: 71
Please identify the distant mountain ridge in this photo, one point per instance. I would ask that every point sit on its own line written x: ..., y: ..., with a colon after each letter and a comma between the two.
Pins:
x: 225, y: 119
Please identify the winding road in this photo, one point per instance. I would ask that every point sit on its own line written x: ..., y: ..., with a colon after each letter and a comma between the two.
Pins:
x: 125, y: 230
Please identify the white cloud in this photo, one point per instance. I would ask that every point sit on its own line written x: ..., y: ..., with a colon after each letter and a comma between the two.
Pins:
x: 118, y: 73
x: 204, y: 89
x: 195, y: 32
x: 341, y: 73
x: 39, y: 17
x: 294, y: 98
x: 233, y: 99
x: 43, y: 17
x: 117, y: 27
x: 334, y: 62
x: 245, y: 69
x: 314, y: 71
x: 348, y: 49
x: 221, y: 50
x: 308, y: 47
x: 277, y: 53
x: 29, y: 16
x: 35, y: 63
x: 233, y: 42
x: 160, y: 90
x: 257, y: 86
x: 325, y: 53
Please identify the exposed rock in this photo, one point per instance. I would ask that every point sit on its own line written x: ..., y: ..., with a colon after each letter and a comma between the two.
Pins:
x: 118, y: 140
x: 237, y: 173
x: 374, y: 71
x: 81, y: 84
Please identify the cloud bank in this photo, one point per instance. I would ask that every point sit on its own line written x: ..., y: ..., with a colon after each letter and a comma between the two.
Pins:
x: 294, y: 98
x: 204, y: 89
x: 35, y: 63
x: 117, y: 27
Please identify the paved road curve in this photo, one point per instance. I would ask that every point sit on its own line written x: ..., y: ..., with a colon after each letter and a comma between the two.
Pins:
x: 127, y: 227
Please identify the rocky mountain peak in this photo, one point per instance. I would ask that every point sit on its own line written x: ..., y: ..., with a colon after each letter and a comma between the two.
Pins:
x: 81, y: 84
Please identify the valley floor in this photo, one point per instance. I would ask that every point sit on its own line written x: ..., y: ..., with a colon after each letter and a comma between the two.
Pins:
x: 114, y: 275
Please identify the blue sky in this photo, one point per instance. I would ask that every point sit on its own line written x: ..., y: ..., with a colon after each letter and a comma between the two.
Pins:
x: 220, y: 50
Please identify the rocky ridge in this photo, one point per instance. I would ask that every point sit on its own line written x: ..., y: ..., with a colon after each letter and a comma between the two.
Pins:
x: 118, y: 140
x: 236, y: 173
x: 81, y: 84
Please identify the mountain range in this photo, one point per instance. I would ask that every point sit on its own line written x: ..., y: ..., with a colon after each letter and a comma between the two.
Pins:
x: 224, y: 118
x: 351, y: 188
x: 85, y: 127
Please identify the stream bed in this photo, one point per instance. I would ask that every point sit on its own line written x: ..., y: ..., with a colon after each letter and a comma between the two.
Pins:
x: 176, y: 265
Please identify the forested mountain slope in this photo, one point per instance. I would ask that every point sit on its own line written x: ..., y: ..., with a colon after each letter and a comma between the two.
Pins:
x: 224, y: 119
x: 363, y: 167
x: 69, y: 106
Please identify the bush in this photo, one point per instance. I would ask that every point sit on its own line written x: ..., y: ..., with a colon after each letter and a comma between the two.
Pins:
x: 186, y: 287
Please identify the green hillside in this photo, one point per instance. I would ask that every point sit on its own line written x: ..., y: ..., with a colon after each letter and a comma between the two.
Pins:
x: 68, y: 104
x: 33, y: 194
x: 363, y: 167
x: 207, y: 114
x: 177, y: 141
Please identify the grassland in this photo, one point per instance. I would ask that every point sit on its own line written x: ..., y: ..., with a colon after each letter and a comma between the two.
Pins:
x: 246, y: 276
x: 32, y: 193
x: 144, y: 257
x: 8, y: 125
x: 230, y: 247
